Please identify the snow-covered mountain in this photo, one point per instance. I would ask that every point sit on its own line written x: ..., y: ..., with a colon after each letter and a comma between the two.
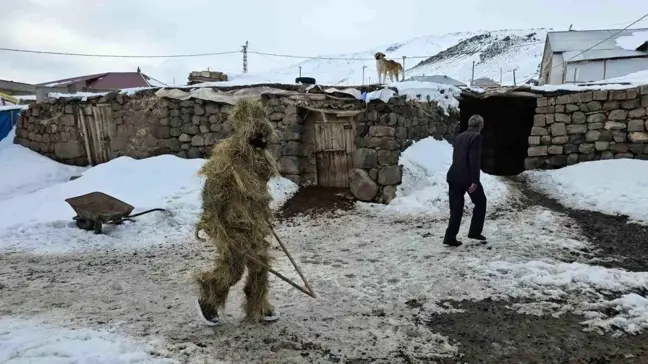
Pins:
x: 450, y: 54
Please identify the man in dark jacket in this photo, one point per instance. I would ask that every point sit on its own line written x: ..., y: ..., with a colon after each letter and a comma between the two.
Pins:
x: 462, y: 177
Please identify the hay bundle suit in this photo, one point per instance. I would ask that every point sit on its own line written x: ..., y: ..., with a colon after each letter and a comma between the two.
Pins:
x: 236, y: 213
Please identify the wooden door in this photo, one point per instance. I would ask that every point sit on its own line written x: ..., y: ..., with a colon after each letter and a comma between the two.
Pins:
x: 96, y: 127
x: 334, y: 147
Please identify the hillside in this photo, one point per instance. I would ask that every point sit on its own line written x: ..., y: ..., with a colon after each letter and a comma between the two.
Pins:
x: 450, y: 54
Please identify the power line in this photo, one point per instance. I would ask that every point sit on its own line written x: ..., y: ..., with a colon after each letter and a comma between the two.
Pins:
x: 116, y: 55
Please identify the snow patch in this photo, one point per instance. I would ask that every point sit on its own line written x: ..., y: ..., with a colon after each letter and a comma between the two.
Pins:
x: 446, y: 96
x: 41, y: 221
x: 424, y: 188
x: 26, y: 171
x: 28, y: 341
x: 632, y: 42
x: 14, y: 107
x: 616, y: 186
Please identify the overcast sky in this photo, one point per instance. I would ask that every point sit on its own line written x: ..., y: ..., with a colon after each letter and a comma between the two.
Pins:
x: 299, y: 27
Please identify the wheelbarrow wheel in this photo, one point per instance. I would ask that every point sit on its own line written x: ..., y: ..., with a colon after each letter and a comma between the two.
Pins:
x: 85, y: 224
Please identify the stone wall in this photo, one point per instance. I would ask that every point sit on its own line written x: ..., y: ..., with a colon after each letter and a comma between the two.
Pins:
x: 587, y: 126
x: 384, y: 131
x: 143, y: 125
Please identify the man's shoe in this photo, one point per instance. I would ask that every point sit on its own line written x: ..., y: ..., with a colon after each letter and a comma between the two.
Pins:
x: 208, y: 316
x: 477, y: 237
x: 453, y: 242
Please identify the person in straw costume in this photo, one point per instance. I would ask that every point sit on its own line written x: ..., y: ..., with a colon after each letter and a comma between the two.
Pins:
x: 236, y: 215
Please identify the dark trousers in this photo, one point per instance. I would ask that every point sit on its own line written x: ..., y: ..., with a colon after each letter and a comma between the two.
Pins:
x: 456, y: 194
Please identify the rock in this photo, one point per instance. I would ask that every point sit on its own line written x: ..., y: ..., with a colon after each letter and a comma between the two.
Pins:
x: 613, y: 125
x: 618, y: 95
x: 536, y: 130
x: 558, y: 160
x: 594, y: 106
x: 555, y: 149
x: 624, y: 156
x: 69, y: 150
x: 198, y: 141
x: 365, y: 158
x: 387, y: 158
x: 378, y: 131
x: 572, y: 159
x: 292, y: 148
x: 635, y: 125
x: 537, y: 151
x: 601, y: 145
x: 579, y: 117
x: 607, y: 155
x: 631, y: 104
x: 388, y: 194
x: 557, y: 129
x: 390, y: 175
x: 275, y: 150
x: 545, y: 140
x: 190, y: 129
x: 586, y: 148
x: 533, y: 163
x: 594, y: 126
x: 534, y: 140
x: 576, y: 129
x: 184, y: 138
x: 539, y: 120
x: 636, y: 148
x: 618, y: 115
x: 596, y: 118
x: 161, y: 132
x: 638, y: 137
x: 571, y: 108
x: 637, y: 113
x: 562, y: 118
x: 560, y: 140
x: 592, y: 136
x: 611, y: 105
x: 289, y: 165
x: 618, y: 148
x: 362, y: 186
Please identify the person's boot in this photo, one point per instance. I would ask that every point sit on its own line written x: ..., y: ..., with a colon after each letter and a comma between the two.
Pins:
x: 207, y: 314
x: 271, y: 315
x: 451, y: 242
x: 479, y: 237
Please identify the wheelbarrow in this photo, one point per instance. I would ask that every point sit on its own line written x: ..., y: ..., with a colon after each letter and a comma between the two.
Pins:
x: 96, y: 208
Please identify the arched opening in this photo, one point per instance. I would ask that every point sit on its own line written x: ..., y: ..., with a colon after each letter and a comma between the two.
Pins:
x: 507, y: 125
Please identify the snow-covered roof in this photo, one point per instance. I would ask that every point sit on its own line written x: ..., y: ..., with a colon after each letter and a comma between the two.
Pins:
x: 617, y: 46
x: 437, y: 79
x: 14, y: 107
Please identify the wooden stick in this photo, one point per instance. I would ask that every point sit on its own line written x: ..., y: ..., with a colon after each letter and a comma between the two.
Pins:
x: 283, y: 247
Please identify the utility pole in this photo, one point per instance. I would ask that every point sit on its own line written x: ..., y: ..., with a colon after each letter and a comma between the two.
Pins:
x: 472, y: 78
x: 300, y: 71
x: 514, y: 82
x: 363, y: 73
x: 404, y: 57
x: 245, y: 64
x: 500, y: 76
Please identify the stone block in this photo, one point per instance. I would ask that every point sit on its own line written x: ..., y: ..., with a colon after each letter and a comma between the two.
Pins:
x: 619, y: 136
x: 587, y: 96
x: 607, y: 155
x: 618, y: 148
x: 562, y: 118
x: 550, y: 119
x: 631, y: 104
x: 381, y: 131
x: 597, y: 118
x: 365, y: 158
x: 69, y: 150
x: 538, y: 131
x: 638, y: 137
x: 577, y: 129
x: 632, y: 93
x: 594, y: 105
x: 600, y: 146
x: 644, y: 101
x: 563, y: 99
x: 613, y: 125
x: 592, y: 136
x: 545, y: 140
x: 637, y: 113
x: 560, y: 140
x: 611, y: 105
x: 570, y: 108
x: 537, y: 151
x: 558, y: 160
x: 579, y: 117
x: 618, y: 114
x: 600, y: 95
x: 618, y: 95
x: 533, y: 163
x: 572, y: 159
x: 387, y: 158
x: 540, y: 120
x: 557, y: 129
x: 390, y: 175
x: 555, y: 149
x: 289, y: 165
x: 586, y: 148
x: 595, y: 126
x: 636, y: 125
x: 534, y: 140
x: 362, y: 186
x: 292, y: 148
x: 636, y: 148
x: 542, y: 101
x: 624, y: 156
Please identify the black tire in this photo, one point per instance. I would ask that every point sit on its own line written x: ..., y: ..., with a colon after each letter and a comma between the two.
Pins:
x: 306, y: 80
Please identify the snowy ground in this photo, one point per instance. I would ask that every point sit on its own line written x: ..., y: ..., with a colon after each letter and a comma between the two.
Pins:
x: 127, y: 295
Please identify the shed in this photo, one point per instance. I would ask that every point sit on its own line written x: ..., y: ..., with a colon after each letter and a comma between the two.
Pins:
x: 9, y: 116
x: 567, y: 56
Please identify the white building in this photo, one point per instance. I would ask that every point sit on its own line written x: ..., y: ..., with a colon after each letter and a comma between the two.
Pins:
x: 568, y: 59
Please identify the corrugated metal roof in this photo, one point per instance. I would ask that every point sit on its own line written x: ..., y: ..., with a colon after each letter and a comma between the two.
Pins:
x: 108, y: 80
x: 576, y: 56
x: 569, y: 41
x: 437, y: 79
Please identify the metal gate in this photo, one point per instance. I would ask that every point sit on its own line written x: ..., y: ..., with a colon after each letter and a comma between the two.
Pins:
x: 96, y: 128
x: 334, y: 147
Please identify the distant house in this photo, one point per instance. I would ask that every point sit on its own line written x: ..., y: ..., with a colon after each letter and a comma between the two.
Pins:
x: 438, y: 79
x: 485, y: 82
x: 104, y: 82
x: 567, y: 57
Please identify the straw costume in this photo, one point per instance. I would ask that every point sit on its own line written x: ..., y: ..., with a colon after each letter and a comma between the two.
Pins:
x: 236, y: 215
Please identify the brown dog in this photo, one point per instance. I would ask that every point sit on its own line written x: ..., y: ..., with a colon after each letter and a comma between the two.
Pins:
x: 387, y: 67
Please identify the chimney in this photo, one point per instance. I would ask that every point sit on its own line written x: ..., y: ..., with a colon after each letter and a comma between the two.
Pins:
x: 138, y: 70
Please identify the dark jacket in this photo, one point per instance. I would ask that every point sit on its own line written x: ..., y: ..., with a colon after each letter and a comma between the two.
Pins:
x: 466, y: 159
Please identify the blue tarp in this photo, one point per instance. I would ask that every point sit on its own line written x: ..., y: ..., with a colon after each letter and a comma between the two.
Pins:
x: 8, y: 118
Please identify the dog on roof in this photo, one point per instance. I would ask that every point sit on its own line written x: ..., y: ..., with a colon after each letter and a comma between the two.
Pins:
x: 387, y: 67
